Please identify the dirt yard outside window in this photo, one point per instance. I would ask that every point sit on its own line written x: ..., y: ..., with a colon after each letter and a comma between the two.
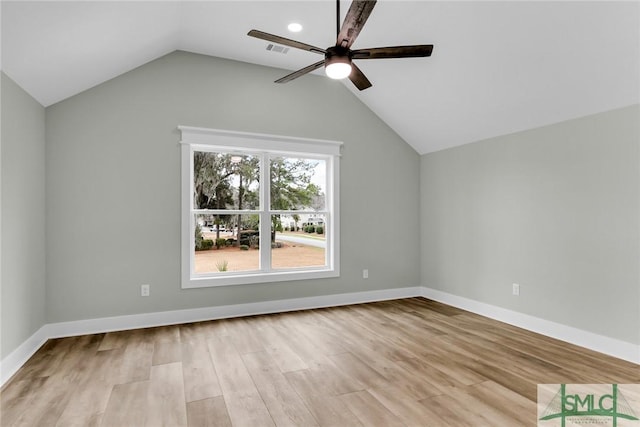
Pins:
x: 289, y: 255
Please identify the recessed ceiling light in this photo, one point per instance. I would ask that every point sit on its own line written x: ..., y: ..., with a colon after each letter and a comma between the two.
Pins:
x: 294, y: 27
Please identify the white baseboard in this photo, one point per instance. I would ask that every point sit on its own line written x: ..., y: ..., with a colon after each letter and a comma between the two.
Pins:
x: 10, y: 364
x: 146, y: 320
x: 18, y: 357
x: 613, y: 347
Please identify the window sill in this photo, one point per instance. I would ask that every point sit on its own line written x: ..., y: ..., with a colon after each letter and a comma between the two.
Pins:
x: 257, y: 277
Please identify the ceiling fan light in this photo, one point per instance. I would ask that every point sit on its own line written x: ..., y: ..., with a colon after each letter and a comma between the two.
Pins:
x: 337, y: 68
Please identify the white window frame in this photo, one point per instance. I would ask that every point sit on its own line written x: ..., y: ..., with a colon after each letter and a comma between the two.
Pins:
x: 265, y: 146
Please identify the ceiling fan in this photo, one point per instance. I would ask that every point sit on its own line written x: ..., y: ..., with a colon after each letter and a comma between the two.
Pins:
x: 338, y: 59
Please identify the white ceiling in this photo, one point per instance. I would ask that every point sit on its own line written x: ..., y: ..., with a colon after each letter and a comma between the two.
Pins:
x: 496, y: 68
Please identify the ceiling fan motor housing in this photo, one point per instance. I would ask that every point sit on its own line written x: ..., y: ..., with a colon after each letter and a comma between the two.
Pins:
x: 337, y: 54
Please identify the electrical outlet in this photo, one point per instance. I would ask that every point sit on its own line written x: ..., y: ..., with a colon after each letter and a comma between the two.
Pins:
x: 516, y: 289
x: 144, y: 290
x: 365, y: 274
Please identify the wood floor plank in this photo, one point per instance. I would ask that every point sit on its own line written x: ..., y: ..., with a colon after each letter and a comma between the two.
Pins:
x: 166, y: 352
x: 208, y: 413
x: 113, y: 340
x: 435, y: 377
x: 17, y: 397
x: 245, y: 338
x: 280, y: 351
x: 450, y: 368
x: 369, y: 328
x: 476, y: 412
x: 169, y: 333
x: 56, y: 392
x: 328, y: 410
x: 369, y: 410
x: 165, y: 396
x: 166, y: 342
x: 452, y: 414
x: 509, y: 403
x: 490, y: 353
x: 89, y: 401
x: 415, y: 385
x: 45, y: 410
x: 302, y: 344
x: 284, y: 404
x: 404, y: 406
x: 200, y: 378
x: 127, y: 406
x: 135, y: 361
x: 331, y: 379
x: 358, y: 369
x: 47, y: 360
x: 198, y: 331
x: 305, y: 326
x: 232, y: 373
x: 244, y: 403
x: 507, y: 379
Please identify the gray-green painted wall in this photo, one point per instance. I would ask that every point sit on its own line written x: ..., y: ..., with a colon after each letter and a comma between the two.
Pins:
x: 113, y: 184
x: 555, y: 209
x: 23, y: 291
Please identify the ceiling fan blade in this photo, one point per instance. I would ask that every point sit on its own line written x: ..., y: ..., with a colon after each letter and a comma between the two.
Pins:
x: 301, y: 72
x: 284, y: 41
x: 415, y: 51
x: 354, y: 21
x: 358, y: 78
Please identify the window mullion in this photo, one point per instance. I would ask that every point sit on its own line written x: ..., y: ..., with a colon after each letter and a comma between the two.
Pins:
x: 265, y: 214
x: 299, y: 212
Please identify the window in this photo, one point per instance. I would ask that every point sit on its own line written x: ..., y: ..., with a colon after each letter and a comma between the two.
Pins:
x: 257, y: 208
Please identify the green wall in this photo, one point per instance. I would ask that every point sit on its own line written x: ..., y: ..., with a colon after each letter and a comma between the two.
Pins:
x: 555, y: 209
x: 22, y: 293
x: 113, y: 184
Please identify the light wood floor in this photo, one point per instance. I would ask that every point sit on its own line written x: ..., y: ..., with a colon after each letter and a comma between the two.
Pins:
x: 410, y: 362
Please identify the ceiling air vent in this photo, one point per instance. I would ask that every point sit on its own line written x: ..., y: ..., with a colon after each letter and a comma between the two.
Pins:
x: 277, y: 48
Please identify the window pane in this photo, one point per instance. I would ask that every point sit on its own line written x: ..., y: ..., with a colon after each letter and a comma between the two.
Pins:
x: 298, y: 184
x: 225, y: 181
x: 217, y: 247
x: 298, y: 241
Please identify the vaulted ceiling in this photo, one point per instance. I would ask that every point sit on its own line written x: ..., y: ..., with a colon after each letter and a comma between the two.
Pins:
x: 497, y: 67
